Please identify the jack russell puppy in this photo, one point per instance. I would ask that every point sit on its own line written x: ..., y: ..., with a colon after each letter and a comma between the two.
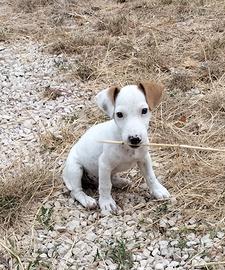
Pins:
x: 130, y: 110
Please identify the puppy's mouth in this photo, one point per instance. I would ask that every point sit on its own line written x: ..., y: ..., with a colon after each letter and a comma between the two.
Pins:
x: 134, y: 146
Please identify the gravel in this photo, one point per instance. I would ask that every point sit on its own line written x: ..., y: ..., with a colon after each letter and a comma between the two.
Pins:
x: 25, y: 72
x: 78, y: 238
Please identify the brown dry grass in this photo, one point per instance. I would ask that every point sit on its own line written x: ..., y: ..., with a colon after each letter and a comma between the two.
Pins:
x: 180, y: 43
x: 22, y: 191
x: 29, y: 5
x: 196, y: 177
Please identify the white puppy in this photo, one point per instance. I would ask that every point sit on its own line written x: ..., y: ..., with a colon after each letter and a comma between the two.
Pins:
x: 130, y: 109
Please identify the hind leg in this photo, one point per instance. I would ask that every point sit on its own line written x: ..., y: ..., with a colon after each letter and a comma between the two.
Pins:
x: 120, y: 182
x: 72, y: 175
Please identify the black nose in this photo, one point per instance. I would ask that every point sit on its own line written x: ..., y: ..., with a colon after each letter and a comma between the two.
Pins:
x: 134, y: 139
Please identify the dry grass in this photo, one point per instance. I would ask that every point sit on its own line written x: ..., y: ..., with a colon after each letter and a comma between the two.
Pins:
x: 180, y: 43
x: 29, y: 5
x: 115, y: 24
x: 52, y: 93
x: 195, y: 177
x: 4, y: 34
x: 21, y: 192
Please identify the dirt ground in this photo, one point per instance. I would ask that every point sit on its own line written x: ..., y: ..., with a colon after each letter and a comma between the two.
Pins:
x: 55, y: 55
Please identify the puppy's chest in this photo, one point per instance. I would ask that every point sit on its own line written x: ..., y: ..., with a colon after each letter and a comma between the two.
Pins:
x: 127, y: 159
x: 129, y: 154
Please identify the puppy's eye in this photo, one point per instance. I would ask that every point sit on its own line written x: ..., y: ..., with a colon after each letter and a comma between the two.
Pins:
x: 144, y: 111
x: 119, y: 114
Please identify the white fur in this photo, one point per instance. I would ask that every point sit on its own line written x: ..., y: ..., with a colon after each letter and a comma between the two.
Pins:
x: 104, y: 161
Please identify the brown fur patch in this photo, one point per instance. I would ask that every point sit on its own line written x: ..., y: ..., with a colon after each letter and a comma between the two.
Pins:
x: 113, y: 92
x: 153, y: 92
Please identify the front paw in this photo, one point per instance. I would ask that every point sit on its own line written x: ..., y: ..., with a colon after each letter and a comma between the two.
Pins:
x: 107, y: 206
x: 160, y: 192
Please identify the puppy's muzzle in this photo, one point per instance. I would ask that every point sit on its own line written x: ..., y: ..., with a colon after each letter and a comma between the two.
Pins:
x: 134, y: 141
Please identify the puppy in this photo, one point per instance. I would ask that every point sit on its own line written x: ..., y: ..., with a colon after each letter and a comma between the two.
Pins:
x: 130, y: 110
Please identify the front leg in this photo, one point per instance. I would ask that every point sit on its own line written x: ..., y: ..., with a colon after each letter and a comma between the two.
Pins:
x: 158, y: 190
x: 106, y: 202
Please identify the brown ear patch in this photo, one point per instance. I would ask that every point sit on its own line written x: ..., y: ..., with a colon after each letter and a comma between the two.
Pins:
x: 153, y: 92
x: 113, y: 92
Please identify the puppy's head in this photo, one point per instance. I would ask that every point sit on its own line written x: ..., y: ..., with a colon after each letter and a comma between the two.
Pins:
x: 131, y: 108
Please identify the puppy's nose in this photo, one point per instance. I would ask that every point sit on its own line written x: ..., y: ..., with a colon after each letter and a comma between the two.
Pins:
x: 134, y: 139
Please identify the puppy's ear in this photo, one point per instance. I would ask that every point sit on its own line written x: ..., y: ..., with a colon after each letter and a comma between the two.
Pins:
x: 106, y: 100
x: 153, y: 92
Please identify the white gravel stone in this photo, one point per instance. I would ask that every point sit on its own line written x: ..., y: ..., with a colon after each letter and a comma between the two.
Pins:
x: 155, y: 252
x: 72, y: 225
x: 173, y: 264
x: 150, y: 260
x: 43, y: 256
x: 191, y: 236
x: 163, y: 251
x: 62, y: 249
x: 50, y: 253
x: 185, y: 257
x: 220, y: 235
x: 129, y: 234
x: 206, y: 241
x: 50, y: 245
x: 159, y: 266
x: 191, y: 243
x: 163, y: 223
x: 146, y: 252
x: 53, y: 234
x: 163, y: 244
x: 91, y: 236
x: 174, y: 243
